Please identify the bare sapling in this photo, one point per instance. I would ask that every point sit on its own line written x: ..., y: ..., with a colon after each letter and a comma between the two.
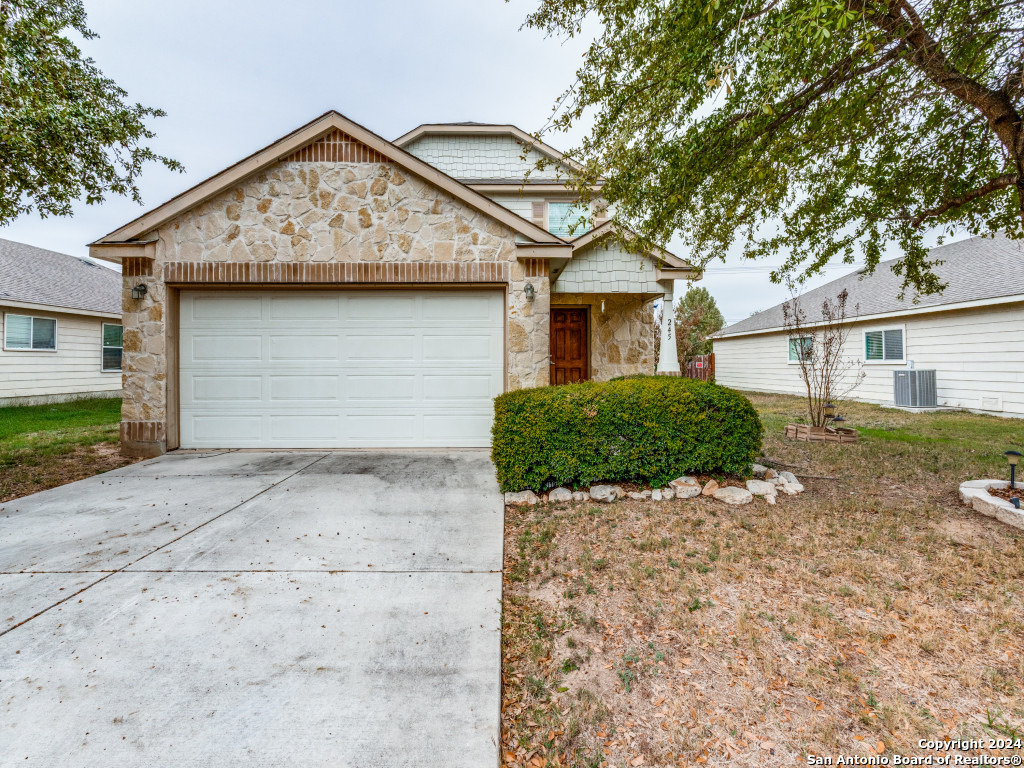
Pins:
x: 817, y: 345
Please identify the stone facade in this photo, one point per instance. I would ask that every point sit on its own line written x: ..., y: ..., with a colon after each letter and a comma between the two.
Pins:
x: 313, y: 219
x: 305, y: 213
x: 623, y: 336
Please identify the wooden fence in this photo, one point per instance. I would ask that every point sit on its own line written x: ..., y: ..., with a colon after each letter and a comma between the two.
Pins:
x: 702, y: 368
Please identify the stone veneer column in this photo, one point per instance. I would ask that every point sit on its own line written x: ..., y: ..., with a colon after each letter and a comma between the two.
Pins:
x: 668, y: 359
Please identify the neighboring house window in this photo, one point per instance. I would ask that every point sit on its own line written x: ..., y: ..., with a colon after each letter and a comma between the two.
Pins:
x: 884, y: 346
x: 800, y: 347
x: 26, y: 332
x: 112, y: 347
x: 565, y: 216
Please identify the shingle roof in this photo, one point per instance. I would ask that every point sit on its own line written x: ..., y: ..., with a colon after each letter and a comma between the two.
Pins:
x: 37, y: 276
x: 975, y: 269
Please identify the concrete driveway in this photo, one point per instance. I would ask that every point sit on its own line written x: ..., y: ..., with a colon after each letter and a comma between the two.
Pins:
x: 257, y: 609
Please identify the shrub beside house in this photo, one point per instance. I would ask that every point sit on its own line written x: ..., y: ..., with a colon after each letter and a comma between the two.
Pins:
x: 643, y: 429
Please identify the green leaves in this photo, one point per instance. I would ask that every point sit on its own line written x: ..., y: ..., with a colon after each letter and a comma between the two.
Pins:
x: 822, y: 129
x: 648, y: 429
x: 66, y: 131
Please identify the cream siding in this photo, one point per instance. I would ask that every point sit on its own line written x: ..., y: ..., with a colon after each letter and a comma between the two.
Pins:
x: 73, y: 369
x: 469, y: 156
x: 976, y: 353
x: 608, y: 268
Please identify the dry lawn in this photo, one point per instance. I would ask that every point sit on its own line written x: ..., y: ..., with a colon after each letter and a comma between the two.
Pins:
x: 868, y: 613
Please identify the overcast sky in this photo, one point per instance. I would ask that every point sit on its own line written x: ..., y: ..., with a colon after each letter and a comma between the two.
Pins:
x: 233, y: 77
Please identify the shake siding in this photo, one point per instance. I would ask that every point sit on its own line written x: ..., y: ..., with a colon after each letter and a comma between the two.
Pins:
x: 976, y: 353
x: 74, y: 368
x: 468, y: 156
x: 608, y: 269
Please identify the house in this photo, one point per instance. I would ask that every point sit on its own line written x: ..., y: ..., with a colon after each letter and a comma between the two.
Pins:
x: 337, y: 290
x: 971, y: 334
x: 61, y: 327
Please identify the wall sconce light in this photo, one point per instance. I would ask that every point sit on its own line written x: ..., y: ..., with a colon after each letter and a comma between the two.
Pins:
x: 528, y: 290
x: 1012, y: 457
x: 139, y: 291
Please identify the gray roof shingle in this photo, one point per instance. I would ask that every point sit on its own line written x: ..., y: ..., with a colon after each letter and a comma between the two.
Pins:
x: 37, y: 276
x: 974, y: 269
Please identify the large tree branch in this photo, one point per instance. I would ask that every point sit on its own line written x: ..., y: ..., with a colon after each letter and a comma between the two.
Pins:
x: 900, y: 21
x: 993, y: 185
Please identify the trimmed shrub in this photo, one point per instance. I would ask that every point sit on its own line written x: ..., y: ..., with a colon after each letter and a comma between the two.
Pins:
x: 643, y: 429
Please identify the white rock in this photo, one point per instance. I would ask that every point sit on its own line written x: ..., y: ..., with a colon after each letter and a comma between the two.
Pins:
x: 759, y: 469
x: 656, y: 495
x: 668, y: 493
x: 559, y: 495
x: 770, y: 499
x: 791, y: 489
x: 639, y: 495
x: 975, y: 493
x: 580, y: 496
x: 788, y: 477
x: 686, y: 487
x: 522, y: 498
x: 730, y: 494
x: 604, y: 493
x: 761, y: 488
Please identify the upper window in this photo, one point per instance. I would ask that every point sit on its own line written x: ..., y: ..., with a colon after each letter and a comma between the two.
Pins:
x: 884, y: 346
x: 563, y: 217
x: 27, y: 332
x: 801, y: 347
x: 112, y: 347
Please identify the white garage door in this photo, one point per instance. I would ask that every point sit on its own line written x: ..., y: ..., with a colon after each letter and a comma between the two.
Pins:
x: 339, y: 369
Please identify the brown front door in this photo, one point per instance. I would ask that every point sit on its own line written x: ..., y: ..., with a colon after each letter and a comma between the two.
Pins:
x: 569, y: 354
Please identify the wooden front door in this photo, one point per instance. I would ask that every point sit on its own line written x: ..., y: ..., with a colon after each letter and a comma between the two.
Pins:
x: 570, y: 355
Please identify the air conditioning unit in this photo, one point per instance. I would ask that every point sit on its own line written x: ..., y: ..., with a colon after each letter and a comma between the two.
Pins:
x: 914, y: 388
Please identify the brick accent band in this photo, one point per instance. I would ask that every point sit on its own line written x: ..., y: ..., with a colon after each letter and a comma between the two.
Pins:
x: 535, y: 267
x: 334, y: 272
x: 136, y: 266
x: 337, y: 147
x: 142, y: 431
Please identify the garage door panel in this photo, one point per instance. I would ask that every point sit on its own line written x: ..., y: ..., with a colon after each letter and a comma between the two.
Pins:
x: 340, y: 369
x: 305, y: 388
x: 473, y: 389
x: 224, y: 388
x: 236, y: 308
x: 302, y: 345
x: 458, y: 427
x: 370, y: 306
x: 299, y: 308
x: 471, y: 308
x: 221, y: 346
x: 218, y: 427
x: 381, y: 387
x: 381, y: 346
x: 286, y: 428
x: 382, y: 426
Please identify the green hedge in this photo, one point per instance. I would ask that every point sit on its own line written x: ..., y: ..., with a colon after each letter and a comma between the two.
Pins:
x: 644, y: 429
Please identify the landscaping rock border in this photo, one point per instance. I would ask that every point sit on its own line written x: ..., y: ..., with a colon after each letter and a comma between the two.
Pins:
x: 684, y: 487
x: 975, y: 494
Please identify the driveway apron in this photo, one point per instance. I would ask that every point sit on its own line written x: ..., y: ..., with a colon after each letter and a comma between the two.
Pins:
x: 255, y: 608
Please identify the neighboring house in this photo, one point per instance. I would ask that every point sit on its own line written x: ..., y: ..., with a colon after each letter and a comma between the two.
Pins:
x: 339, y: 290
x: 60, y: 319
x: 971, y: 334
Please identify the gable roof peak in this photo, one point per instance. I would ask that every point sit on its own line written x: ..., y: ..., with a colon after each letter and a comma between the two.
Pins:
x: 297, y: 140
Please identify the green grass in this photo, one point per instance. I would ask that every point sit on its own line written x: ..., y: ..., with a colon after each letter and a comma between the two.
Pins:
x: 42, y: 446
x: 944, y: 446
x: 19, y: 424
